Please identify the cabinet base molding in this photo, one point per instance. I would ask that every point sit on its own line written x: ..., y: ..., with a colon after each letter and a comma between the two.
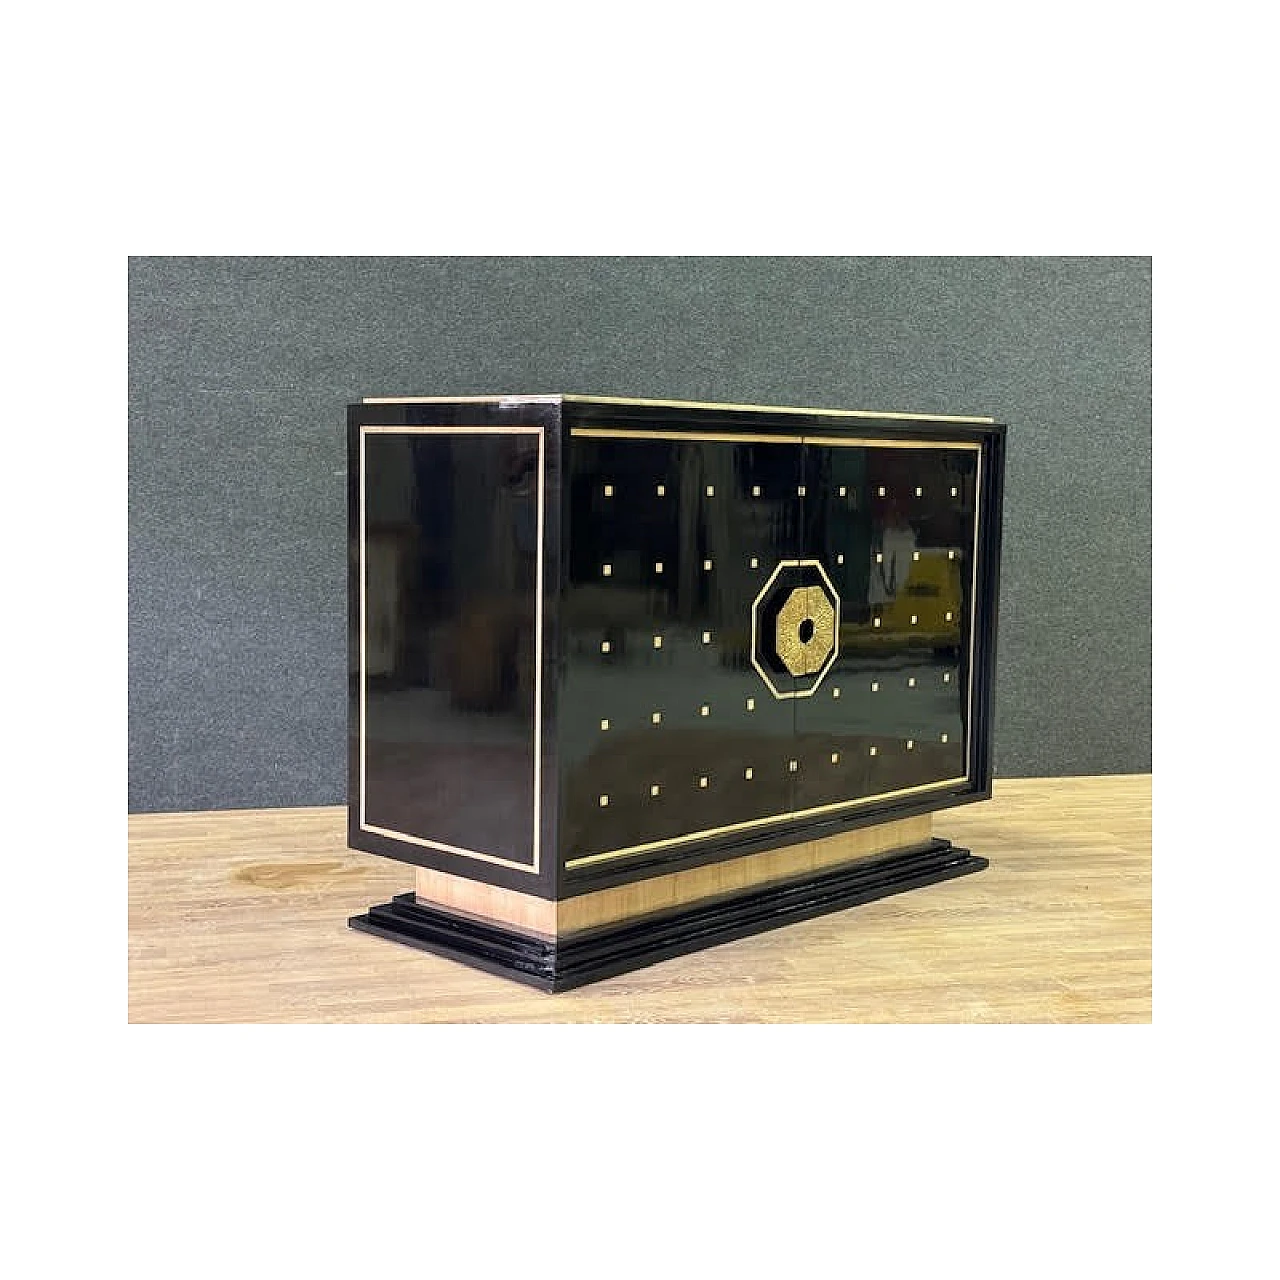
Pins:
x: 573, y: 959
x: 555, y: 918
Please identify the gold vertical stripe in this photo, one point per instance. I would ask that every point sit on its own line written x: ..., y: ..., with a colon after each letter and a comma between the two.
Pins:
x: 537, y: 651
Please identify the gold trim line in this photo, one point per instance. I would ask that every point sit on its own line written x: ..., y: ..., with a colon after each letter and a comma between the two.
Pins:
x: 448, y: 429
x: 528, y: 399
x: 750, y: 437
x: 708, y: 832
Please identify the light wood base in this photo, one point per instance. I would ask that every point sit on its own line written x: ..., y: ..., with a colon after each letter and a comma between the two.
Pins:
x: 549, y: 919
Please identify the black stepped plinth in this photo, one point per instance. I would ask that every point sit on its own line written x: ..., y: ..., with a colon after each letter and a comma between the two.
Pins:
x: 613, y: 949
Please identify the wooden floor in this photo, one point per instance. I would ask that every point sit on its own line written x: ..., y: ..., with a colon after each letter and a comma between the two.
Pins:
x: 241, y: 917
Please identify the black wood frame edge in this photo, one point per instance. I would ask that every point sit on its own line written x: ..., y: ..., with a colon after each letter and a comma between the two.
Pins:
x: 612, y: 950
x: 989, y: 604
x: 696, y: 419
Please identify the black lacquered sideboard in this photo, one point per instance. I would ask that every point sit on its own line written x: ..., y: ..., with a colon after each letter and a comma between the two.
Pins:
x: 634, y: 677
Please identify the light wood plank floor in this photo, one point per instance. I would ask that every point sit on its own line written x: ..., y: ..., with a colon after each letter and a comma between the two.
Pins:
x: 241, y: 917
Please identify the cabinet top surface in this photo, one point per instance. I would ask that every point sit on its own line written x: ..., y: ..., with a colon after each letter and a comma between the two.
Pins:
x: 674, y: 404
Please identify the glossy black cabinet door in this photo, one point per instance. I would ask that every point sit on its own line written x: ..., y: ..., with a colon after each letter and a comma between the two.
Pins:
x: 895, y: 528
x: 668, y: 732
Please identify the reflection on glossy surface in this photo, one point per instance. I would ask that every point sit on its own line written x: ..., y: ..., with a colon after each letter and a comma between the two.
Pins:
x: 450, y: 599
x: 679, y: 716
x: 899, y: 525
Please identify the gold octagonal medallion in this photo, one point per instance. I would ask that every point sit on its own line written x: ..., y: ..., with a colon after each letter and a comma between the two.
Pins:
x: 795, y: 630
x: 806, y: 630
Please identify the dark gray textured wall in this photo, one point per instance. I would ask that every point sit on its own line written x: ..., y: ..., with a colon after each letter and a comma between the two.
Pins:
x: 241, y: 368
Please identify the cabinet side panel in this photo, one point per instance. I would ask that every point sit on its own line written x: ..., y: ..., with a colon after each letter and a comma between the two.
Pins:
x: 449, y: 525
